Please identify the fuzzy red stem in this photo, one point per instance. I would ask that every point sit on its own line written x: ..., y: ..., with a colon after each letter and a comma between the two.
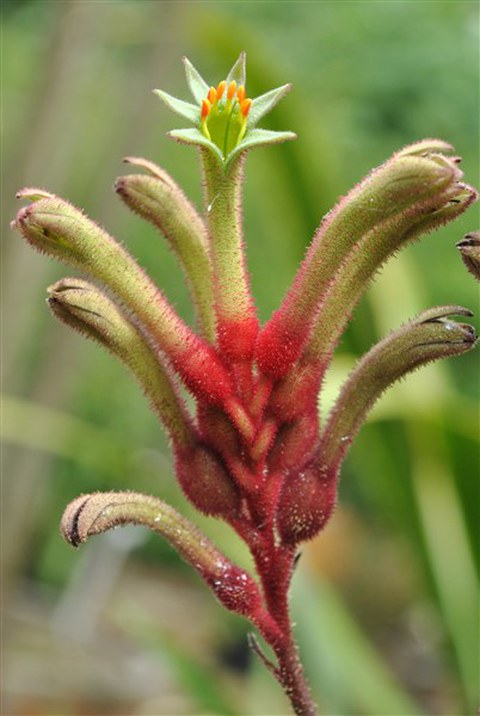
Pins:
x: 275, y: 565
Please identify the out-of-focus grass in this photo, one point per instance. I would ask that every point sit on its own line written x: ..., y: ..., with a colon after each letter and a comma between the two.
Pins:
x: 385, y: 597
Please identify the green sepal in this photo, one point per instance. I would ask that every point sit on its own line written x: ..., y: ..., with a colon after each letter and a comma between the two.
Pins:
x: 258, y: 138
x: 262, y: 105
x: 195, y: 137
x: 185, y: 109
x: 238, y: 73
x: 197, y: 85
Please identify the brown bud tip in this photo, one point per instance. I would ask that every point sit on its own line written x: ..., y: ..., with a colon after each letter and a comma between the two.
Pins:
x: 69, y: 521
x: 33, y: 194
x: 469, y: 248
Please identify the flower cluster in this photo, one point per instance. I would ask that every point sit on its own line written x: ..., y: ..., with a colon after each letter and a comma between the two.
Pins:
x: 254, y: 453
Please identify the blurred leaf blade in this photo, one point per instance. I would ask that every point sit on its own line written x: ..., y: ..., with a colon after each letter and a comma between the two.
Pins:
x: 42, y: 428
x: 208, y: 693
x: 347, y: 672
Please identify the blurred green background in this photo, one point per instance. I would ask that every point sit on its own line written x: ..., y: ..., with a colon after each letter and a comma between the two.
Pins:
x: 385, y: 599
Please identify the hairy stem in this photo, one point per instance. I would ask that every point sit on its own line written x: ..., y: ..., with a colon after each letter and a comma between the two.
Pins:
x: 275, y: 567
x: 237, y: 323
x: 292, y: 678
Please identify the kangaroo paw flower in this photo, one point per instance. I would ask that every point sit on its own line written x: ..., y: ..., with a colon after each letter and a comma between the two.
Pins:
x: 368, y: 226
x: 93, y: 514
x: 225, y: 118
x: 159, y: 200
x: 255, y: 453
x: 430, y: 336
x: 83, y: 307
x: 52, y: 225
x: 358, y: 269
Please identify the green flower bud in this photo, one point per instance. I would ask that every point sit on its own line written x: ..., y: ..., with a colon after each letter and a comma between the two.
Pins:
x: 430, y: 336
x: 83, y: 307
x: 159, y: 200
x: 99, y: 512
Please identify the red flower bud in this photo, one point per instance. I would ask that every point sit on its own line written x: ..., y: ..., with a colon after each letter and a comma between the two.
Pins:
x: 236, y: 590
x: 295, y: 443
x: 296, y: 393
x: 306, y: 503
x: 206, y: 483
x: 236, y: 338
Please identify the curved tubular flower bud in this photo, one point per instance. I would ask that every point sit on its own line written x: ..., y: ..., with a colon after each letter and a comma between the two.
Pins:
x: 308, y: 494
x: 423, y: 147
x: 54, y: 226
x: 359, y: 268
x: 158, y: 199
x: 83, y: 307
x: 469, y: 248
x: 99, y: 512
x: 396, y: 195
x: 430, y: 336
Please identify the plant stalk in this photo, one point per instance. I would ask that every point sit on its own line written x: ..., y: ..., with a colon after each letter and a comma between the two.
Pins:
x: 275, y: 568
x: 291, y: 677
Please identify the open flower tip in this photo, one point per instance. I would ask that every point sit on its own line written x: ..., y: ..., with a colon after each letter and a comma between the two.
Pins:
x: 223, y: 114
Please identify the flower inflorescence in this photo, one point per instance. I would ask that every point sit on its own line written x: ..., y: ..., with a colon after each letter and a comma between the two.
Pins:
x: 224, y: 118
x: 254, y: 454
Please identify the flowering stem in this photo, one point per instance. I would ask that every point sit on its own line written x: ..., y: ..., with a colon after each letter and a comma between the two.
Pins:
x: 237, y: 323
x: 292, y: 678
x: 276, y: 571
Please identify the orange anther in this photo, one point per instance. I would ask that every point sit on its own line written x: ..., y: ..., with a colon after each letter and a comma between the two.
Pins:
x: 241, y: 94
x: 206, y: 107
x: 231, y: 90
x: 212, y: 95
x: 245, y: 106
x: 221, y: 89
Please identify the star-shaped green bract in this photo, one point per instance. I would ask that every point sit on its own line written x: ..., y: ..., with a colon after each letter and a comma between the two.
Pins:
x: 253, y: 137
